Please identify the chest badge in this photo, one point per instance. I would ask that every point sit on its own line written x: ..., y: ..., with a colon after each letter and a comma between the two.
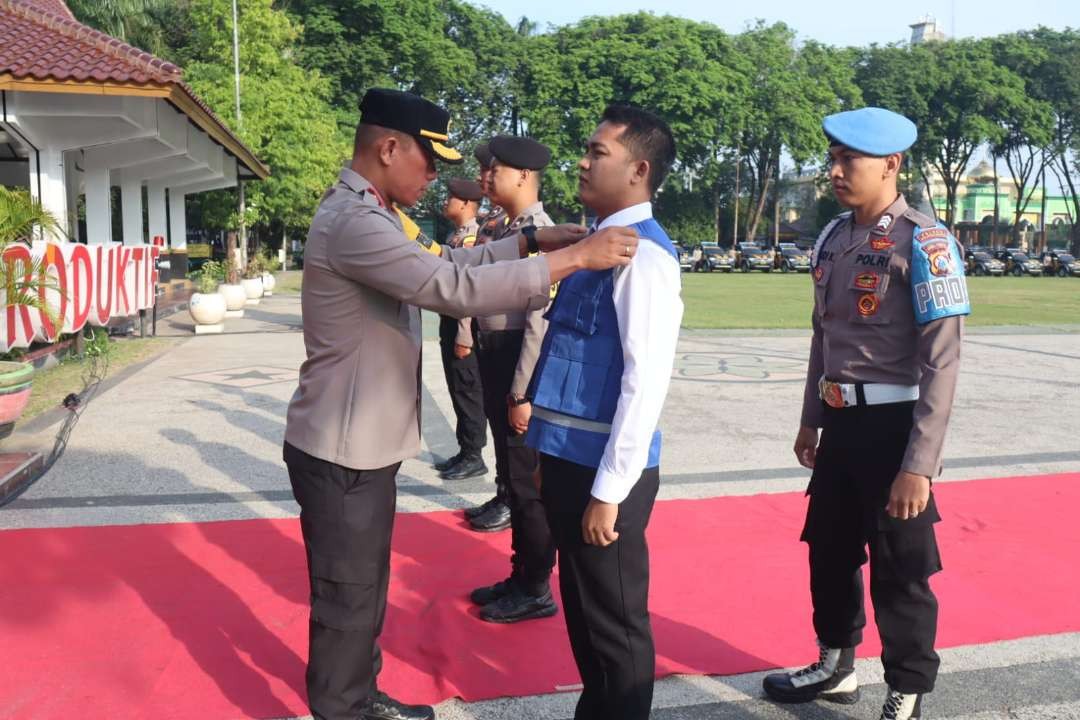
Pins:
x: 868, y: 304
x: 867, y: 281
x: 881, y: 243
x: 819, y: 272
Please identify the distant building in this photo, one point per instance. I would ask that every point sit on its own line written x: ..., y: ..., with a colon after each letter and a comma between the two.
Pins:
x: 926, y: 30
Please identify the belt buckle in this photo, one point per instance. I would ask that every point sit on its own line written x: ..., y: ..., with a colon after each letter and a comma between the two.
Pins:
x: 831, y: 393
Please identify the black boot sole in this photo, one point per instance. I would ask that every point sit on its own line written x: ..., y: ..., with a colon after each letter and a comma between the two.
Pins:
x: 539, y: 613
x: 475, y: 473
x: 848, y: 698
x: 492, y: 529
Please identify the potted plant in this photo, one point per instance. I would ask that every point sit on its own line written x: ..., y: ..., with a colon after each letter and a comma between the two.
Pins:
x: 207, y: 305
x: 252, y: 281
x: 21, y: 283
x: 269, y: 281
x: 232, y: 290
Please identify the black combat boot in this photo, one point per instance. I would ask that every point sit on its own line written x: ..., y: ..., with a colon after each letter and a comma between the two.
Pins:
x: 831, y: 678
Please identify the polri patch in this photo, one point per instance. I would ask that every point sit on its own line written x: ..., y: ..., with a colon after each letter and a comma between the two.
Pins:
x: 873, y: 259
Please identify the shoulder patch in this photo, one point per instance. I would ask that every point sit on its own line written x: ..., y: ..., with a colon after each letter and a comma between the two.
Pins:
x: 938, y: 286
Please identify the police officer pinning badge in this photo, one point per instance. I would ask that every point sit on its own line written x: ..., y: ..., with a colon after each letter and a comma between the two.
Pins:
x: 868, y: 304
x: 938, y: 288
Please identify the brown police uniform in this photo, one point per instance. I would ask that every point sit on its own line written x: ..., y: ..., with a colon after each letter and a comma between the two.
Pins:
x: 883, y: 407
x: 355, y: 415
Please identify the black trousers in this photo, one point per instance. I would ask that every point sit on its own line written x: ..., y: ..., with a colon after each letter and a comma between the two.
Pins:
x: 347, y: 517
x: 466, y: 393
x: 859, y: 455
x: 515, y: 463
x: 605, y: 592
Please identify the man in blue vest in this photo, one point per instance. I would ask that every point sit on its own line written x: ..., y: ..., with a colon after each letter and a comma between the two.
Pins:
x: 597, y: 392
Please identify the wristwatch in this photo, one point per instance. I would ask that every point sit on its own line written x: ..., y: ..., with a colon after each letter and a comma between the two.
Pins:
x: 529, y: 231
x: 515, y: 401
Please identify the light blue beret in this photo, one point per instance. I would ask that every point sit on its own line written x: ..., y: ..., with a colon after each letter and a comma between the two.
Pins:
x: 871, y: 130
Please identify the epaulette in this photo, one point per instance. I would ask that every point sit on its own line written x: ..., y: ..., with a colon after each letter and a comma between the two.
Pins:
x: 920, y: 218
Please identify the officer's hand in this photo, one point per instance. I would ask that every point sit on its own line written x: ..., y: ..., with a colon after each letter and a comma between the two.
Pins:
x: 598, y: 525
x: 462, y: 351
x: 519, y: 417
x: 806, y: 446
x: 607, y: 248
x: 556, y: 237
x: 908, y: 496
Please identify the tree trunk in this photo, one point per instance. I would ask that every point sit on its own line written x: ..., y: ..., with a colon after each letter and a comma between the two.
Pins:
x: 997, y: 205
x: 716, y: 212
x: 738, y: 190
x: 759, y: 208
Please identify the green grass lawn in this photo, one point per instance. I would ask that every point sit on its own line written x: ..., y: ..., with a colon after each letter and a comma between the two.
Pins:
x: 777, y: 300
x: 52, y: 385
x: 288, y: 282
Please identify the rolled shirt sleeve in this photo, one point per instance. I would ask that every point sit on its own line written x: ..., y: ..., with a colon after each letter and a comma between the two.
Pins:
x: 463, y: 281
x: 649, y: 310
x: 939, y: 345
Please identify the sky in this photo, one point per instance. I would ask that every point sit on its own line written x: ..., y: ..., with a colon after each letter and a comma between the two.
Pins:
x: 836, y: 22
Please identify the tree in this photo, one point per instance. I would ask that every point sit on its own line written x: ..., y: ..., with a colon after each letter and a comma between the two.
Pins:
x: 1026, y: 124
x: 1055, y: 81
x: 286, y: 117
x: 792, y: 88
x: 138, y: 22
x: 678, y: 68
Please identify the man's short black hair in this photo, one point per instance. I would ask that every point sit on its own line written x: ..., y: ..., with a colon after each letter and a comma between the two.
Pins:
x: 647, y: 137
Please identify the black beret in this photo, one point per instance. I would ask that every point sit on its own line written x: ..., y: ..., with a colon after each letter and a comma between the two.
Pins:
x: 413, y: 115
x: 482, y: 153
x: 520, y: 152
x: 465, y: 189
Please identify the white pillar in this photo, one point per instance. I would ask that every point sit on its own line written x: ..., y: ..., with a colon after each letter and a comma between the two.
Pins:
x: 47, y: 183
x: 98, y: 211
x: 177, y: 220
x: 73, y: 179
x: 155, y: 206
x: 131, y: 207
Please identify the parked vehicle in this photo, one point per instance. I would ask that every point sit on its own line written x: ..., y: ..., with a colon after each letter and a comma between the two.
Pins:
x: 1018, y: 263
x: 980, y: 263
x: 710, y: 257
x: 792, y: 258
x: 686, y: 257
x: 751, y: 256
x: 1060, y: 263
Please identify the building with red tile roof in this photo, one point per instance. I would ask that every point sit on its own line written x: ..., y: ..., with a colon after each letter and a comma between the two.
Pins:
x: 82, y: 112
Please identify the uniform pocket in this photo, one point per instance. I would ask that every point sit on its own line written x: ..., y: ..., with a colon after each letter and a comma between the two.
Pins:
x: 907, y: 550
x: 867, y: 289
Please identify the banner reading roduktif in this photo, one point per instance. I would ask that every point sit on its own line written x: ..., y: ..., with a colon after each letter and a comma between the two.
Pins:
x: 92, y: 285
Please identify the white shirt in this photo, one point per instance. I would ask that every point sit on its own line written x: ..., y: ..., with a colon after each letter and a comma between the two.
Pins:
x: 649, y: 310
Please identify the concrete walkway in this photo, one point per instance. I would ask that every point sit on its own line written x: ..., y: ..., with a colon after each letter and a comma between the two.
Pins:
x: 196, y: 435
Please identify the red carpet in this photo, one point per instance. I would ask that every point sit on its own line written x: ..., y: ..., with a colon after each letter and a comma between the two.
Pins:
x: 208, y: 620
